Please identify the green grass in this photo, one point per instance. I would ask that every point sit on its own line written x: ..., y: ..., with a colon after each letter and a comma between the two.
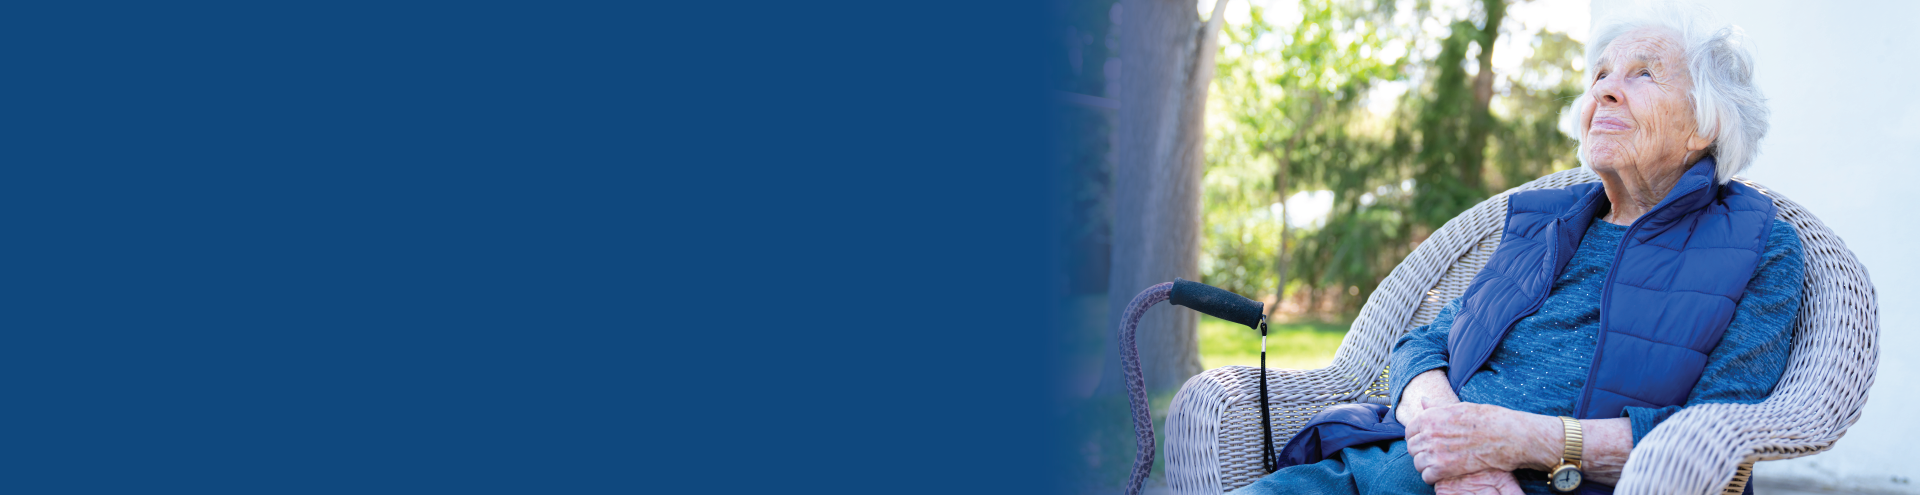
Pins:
x: 1292, y: 345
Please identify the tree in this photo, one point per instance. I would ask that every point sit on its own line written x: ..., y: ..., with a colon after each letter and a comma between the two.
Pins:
x: 1454, y: 120
x: 1166, y: 62
x: 1287, y: 92
x: 1291, y: 96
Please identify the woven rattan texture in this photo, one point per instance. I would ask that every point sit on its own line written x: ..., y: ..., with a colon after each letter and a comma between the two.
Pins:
x: 1213, y: 432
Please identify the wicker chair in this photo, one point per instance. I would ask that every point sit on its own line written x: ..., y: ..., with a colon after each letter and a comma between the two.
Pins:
x: 1213, y: 427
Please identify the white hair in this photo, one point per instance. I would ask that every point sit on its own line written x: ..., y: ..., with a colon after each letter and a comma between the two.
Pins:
x: 1728, y: 109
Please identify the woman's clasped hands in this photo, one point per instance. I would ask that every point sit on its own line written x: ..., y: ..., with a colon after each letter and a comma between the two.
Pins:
x: 1467, y: 448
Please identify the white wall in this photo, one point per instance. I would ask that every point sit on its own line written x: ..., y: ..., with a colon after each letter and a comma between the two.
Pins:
x: 1845, y: 143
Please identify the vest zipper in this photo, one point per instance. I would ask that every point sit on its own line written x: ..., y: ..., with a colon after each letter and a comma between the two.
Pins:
x: 1606, y: 301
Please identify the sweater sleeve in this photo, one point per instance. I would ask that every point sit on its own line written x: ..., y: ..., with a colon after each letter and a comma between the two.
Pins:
x: 1424, y: 348
x: 1753, y: 354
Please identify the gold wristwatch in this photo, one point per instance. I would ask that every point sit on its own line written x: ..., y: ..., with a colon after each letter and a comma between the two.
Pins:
x: 1566, y: 477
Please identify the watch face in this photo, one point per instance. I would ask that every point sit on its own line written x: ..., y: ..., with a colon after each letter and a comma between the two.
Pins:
x: 1566, y: 479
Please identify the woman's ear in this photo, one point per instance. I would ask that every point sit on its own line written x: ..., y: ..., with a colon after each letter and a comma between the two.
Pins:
x: 1698, y: 142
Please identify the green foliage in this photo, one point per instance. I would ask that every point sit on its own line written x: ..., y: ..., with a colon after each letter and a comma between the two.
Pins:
x: 1530, y: 143
x: 1285, y: 114
x: 1279, y: 112
x: 1441, y: 140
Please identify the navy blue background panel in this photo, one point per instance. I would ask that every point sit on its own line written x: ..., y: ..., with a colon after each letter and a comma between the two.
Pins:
x: 485, y: 247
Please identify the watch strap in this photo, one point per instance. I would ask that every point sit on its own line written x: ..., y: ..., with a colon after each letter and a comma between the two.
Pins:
x: 1575, y: 441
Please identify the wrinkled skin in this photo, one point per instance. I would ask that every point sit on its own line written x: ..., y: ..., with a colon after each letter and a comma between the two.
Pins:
x: 1466, y: 438
x: 1497, y: 436
x: 1481, y: 483
x: 1638, y: 131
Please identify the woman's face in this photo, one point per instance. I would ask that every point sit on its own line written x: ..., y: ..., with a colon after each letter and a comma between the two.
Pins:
x: 1640, y: 119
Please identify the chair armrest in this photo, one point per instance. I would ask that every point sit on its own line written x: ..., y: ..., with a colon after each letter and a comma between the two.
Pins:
x: 1213, y: 426
x: 1700, y: 449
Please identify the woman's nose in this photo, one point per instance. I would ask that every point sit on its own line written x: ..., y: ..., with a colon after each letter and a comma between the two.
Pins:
x: 1607, y: 91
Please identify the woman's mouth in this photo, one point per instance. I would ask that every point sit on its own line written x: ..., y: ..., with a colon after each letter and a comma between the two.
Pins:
x: 1608, y: 124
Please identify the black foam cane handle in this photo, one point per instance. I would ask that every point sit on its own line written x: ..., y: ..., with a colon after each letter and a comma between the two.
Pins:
x: 1219, y: 303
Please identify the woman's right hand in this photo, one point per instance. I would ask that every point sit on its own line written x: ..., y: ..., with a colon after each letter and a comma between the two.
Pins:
x: 1431, y: 385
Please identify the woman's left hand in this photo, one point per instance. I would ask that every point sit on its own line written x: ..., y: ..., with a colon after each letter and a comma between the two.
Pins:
x: 1481, y: 483
x: 1459, y: 439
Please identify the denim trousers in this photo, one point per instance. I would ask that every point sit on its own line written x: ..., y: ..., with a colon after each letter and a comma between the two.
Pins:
x: 1376, y: 468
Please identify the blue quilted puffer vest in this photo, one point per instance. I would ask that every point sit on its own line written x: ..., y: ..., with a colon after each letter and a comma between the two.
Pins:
x: 1679, y: 273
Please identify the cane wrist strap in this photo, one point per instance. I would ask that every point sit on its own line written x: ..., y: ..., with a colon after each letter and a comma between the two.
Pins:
x: 1268, y: 459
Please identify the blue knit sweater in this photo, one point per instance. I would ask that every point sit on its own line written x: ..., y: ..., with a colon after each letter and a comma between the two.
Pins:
x: 1542, y: 363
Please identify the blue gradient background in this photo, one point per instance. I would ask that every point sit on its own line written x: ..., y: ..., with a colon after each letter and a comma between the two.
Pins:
x: 481, y: 247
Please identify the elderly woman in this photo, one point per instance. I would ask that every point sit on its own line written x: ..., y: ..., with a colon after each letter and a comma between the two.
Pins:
x: 1607, y: 308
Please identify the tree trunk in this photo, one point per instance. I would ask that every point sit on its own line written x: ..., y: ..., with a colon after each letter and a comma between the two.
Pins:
x: 1285, y: 157
x: 1166, y: 61
x: 1474, y: 165
x: 1280, y: 255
